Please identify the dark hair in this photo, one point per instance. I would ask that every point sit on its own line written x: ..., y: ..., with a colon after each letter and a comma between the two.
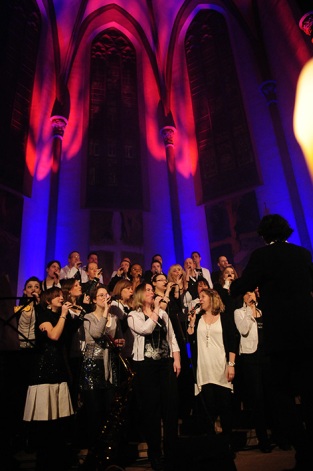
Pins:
x: 71, y: 253
x: 87, y: 266
x: 32, y: 278
x: 220, y: 256
x: 67, y: 284
x: 47, y: 296
x: 52, y: 262
x: 156, y: 261
x: 198, y: 253
x: 92, y: 253
x: 154, y: 278
x: 94, y: 291
x: 274, y: 228
x: 202, y: 280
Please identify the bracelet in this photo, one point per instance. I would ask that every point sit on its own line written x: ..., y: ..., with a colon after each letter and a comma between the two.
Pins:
x: 62, y: 317
x: 230, y: 363
x: 191, y: 326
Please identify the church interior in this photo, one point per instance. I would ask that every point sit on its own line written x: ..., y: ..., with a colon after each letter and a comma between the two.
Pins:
x: 138, y: 127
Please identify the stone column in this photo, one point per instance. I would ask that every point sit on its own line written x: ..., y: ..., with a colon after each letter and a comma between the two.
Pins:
x: 58, y: 126
x: 167, y: 133
x: 268, y: 89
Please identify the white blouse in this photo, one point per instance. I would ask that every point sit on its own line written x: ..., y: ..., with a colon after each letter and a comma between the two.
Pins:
x: 211, y: 364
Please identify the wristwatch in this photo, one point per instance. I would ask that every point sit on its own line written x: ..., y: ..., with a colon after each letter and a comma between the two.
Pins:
x: 230, y: 363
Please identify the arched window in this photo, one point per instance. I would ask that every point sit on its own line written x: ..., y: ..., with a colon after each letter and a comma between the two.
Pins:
x: 19, y: 38
x: 226, y: 159
x: 114, y: 163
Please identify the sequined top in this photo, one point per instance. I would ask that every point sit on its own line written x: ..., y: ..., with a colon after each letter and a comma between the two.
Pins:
x: 156, y: 344
x: 99, y: 367
x: 50, y: 367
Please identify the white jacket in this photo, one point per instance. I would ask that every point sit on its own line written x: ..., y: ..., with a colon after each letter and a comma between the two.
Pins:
x: 141, y: 327
x: 248, y: 329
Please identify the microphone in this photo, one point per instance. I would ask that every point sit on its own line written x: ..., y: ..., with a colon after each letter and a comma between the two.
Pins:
x: 193, y: 310
x: 81, y: 309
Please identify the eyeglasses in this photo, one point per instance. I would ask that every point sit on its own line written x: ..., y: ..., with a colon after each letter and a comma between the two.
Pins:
x: 102, y: 295
x: 164, y: 279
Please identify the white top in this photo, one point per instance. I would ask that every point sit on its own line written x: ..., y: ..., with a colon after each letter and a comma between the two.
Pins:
x: 68, y: 272
x: 212, y: 364
x: 140, y: 327
x: 248, y: 329
x: 26, y: 326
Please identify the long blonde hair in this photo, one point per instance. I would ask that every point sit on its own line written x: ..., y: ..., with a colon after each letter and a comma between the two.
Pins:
x: 170, y: 275
x: 139, y: 294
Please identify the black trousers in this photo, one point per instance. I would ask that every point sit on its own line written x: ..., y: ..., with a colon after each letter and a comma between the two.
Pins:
x: 291, y: 377
x: 217, y: 401
x: 50, y: 441
x: 257, y: 398
x: 156, y: 392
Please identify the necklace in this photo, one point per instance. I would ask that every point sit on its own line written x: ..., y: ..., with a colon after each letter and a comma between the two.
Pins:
x: 208, y: 329
x: 207, y: 334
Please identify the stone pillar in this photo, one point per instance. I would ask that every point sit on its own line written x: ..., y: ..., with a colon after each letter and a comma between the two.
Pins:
x: 268, y: 89
x: 167, y: 133
x: 58, y: 126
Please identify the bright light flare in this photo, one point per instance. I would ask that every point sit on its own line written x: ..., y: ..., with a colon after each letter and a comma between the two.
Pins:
x: 303, y: 114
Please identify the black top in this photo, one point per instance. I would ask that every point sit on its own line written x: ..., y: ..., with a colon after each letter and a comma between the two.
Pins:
x: 50, y: 367
x: 283, y: 272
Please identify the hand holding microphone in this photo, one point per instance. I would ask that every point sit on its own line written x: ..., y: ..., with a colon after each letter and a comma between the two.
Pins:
x: 192, y: 312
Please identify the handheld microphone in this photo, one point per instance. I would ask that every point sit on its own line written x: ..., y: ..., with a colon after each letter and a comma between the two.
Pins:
x: 79, y: 308
x: 82, y: 313
x: 193, y: 310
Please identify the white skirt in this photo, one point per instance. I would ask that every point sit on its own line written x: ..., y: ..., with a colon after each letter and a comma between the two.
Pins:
x: 48, y: 402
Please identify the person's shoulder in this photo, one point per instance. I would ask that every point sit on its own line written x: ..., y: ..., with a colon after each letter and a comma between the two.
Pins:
x: 287, y: 247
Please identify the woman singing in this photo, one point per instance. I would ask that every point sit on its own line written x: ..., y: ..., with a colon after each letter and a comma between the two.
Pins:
x: 98, y: 378
x: 157, y: 365
x: 213, y: 340
x: 48, y: 403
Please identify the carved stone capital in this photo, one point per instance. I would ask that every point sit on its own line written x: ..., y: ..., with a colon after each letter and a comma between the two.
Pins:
x: 306, y: 24
x: 168, y: 135
x: 268, y: 88
x: 58, y: 126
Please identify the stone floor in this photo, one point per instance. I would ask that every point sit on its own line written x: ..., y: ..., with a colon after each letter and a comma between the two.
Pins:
x: 247, y: 459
